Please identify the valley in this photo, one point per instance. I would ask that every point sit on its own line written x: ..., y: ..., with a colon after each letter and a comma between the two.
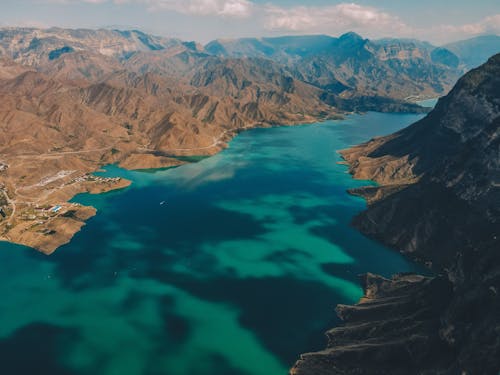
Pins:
x: 75, y: 100
x: 249, y: 187
x: 200, y: 208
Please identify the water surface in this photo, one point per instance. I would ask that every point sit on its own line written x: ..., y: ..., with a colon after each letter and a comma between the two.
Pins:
x: 232, y: 265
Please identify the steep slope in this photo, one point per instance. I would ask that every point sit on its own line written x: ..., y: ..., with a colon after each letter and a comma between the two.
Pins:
x: 438, y: 201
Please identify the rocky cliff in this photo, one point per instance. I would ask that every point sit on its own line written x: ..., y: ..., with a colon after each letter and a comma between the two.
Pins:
x: 438, y: 201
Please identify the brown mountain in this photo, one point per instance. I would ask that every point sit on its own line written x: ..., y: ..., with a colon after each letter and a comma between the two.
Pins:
x: 438, y: 201
x: 74, y: 100
x: 83, y: 110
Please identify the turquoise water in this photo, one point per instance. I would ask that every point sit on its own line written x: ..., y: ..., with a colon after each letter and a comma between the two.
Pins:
x: 236, y: 273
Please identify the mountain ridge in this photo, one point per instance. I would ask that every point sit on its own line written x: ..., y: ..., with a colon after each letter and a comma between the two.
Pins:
x: 438, y: 202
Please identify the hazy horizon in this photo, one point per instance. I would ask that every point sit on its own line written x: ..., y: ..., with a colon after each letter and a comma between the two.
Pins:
x: 205, y: 20
x: 122, y: 28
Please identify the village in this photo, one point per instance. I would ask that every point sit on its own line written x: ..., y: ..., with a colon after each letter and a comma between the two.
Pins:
x: 92, y: 178
x: 34, y: 222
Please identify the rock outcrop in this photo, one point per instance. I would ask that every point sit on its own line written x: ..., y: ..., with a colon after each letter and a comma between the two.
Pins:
x: 438, y: 201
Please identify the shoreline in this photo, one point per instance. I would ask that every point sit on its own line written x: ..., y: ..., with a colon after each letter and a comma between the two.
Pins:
x: 47, y: 237
x: 30, y: 221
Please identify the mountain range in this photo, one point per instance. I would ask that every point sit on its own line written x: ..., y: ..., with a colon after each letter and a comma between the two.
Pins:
x: 72, y: 101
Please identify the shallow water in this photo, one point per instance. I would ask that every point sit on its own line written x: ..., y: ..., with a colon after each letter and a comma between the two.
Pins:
x: 237, y: 272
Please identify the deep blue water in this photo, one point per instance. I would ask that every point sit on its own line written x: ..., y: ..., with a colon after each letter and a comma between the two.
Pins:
x: 237, y: 272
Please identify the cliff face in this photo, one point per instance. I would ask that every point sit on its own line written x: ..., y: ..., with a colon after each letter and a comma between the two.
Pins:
x: 438, y: 201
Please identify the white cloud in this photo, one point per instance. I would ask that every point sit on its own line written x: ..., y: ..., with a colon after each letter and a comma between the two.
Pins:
x: 331, y: 19
x: 369, y: 21
x: 225, y: 8
x: 229, y: 8
x: 488, y: 25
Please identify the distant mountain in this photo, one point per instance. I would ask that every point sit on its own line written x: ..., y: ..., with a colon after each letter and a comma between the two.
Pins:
x: 438, y: 202
x: 30, y: 46
x: 474, y: 52
x: 350, y: 65
x: 281, y: 49
x: 353, y: 65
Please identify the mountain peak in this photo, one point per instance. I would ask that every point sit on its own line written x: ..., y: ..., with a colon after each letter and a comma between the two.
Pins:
x: 351, y: 35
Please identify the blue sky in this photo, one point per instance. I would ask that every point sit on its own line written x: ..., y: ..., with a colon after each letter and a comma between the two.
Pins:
x: 202, y: 20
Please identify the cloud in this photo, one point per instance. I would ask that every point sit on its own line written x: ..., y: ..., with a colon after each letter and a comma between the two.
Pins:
x: 225, y: 8
x: 447, y: 33
x: 67, y: 2
x: 330, y: 19
x: 368, y: 21
x: 262, y: 19
x: 488, y: 25
x: 229, y: 8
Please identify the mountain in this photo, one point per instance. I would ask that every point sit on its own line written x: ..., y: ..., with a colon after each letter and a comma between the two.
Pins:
x: 438, y: 202
x: 32, y: 46
x: 474, y: 52
x: 281, y: 49
x: 350, y: 65
x: 81, y: 111
x: 353, y: 65
x: 72, y: 101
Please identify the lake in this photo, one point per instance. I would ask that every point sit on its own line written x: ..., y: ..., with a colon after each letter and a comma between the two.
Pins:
x: 231, y: 266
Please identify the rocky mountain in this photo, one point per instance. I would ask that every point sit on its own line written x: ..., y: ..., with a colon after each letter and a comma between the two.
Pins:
x: 74, y: 100
x: 74, y: 114
x: 349, y: 65
x: 352, y: 65
x: 438, y: 202
x: 474, y: 52
x: 31, y: 46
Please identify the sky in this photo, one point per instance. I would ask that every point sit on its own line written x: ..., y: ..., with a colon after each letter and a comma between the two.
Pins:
x: 436, y: 21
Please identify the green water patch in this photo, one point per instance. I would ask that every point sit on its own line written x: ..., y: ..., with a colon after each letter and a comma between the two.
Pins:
x: 230, y: 265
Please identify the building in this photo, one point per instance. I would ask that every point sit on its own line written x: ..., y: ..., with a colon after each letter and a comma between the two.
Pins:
x: 56, y: 209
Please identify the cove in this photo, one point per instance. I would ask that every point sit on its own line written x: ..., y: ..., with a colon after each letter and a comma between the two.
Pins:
x: 230, y: 266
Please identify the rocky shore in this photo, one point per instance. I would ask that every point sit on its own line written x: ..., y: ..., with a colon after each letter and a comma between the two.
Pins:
x: 438, y: 202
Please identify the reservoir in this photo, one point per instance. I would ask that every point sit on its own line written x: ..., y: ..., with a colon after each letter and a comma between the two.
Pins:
x: 231, y: 265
